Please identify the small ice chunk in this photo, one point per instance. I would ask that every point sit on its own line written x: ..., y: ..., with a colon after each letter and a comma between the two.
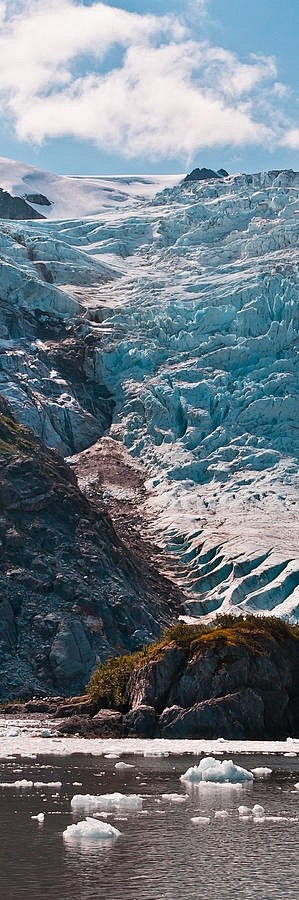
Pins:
x: 262, y: 772
x: 111, y: 755
x: 57, y: 785
x: 91, y: 829
x: 17, y: 784
x: 39, y: 818
x: 107, y: 801
x: 258, y: 811
x: 221, y: 814
x: 201, y: 820
x: 297, y: 786
x: 291, y: 754
x: 77, y: 783
x: 175, y: 798
x: 123, y: 765
x: 244, y: 811
x: 210, y: 770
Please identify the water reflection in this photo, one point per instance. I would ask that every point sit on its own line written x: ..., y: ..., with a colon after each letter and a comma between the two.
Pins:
x: 156, y: 857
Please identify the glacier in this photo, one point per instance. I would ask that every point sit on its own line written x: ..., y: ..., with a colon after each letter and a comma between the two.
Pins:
x: 189, y: 297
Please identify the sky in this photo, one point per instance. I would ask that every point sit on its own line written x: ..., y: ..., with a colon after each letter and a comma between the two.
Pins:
x: 149, y: 86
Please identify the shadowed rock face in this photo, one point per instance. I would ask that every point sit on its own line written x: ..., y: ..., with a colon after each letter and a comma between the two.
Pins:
x: 237, y: 681
x: 71, y: 592
x: 16, y: 208
x: 221, y: 688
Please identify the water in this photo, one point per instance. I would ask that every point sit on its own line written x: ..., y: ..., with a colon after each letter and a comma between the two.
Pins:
x: 161, y: 854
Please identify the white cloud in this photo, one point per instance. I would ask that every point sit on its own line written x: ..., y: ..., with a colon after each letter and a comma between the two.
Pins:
x: 168, y: 96
x: 291, y: 139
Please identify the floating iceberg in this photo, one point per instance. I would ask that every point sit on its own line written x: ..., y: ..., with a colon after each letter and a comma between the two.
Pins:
x: 91, y: 829
x: 23, y: 783
x: 39, y: 818
x: 201, y: 820
x: 57, y: 785
x: 107, y: 802
x: 211, y: 771
x: 262, y: 772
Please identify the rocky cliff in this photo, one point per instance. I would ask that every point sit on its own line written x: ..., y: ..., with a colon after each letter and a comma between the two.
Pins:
x: 237, y: 679
x: 71, y: 591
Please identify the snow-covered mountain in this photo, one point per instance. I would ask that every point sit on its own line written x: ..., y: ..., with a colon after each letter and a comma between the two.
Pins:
x: 183, y: 307
x: 62, y: 196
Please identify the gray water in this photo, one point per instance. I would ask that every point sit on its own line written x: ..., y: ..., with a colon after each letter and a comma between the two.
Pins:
x: 161, y: 855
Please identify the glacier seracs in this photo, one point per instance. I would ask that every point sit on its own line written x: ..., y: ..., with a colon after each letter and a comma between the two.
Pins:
x: 193, y: 299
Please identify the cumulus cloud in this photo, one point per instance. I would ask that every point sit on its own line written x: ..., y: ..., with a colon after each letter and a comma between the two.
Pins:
x: 166, y: 95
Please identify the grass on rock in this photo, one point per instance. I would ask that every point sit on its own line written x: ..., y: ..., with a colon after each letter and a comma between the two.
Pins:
x: 108, y: 685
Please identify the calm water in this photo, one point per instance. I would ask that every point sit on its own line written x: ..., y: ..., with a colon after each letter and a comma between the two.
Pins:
x: 160, y: 855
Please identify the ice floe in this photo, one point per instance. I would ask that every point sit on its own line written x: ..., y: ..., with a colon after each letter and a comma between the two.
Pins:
x: 91, y: 829
x: 106, y: 802
x: 211, y: 771
x: 201, y: 820
x: 262, y: 772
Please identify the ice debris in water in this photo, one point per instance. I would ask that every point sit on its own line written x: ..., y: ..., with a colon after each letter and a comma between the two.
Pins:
x: 23, y: 783
x: 39, y: 818
x: 123, y: 765
x: 257, y: 812
x: 262, y: 772
x: 221, y: 814
x: 297, y: 786
x: 57, y: 785
x: 201, y: 820
x: 175, y: 798
x: 107, y: 801
x: 210, y: 770
x: 91, y: 829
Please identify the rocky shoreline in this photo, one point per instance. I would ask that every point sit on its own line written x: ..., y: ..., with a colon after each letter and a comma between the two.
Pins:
x: 237, y: 681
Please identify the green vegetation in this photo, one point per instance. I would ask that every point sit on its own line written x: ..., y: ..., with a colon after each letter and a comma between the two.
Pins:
x: 108, y: 685
x: 13, y: 438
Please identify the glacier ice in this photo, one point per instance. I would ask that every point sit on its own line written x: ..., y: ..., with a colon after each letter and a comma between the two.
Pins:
x: 191, y: 298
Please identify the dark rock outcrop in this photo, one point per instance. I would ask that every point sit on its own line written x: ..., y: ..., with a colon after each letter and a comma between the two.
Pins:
x: 241, y: 682
x: 38, y: 199
x: 239, y: 715
x: 16, y: 208
x: 204, y: 175
x: 152, y: 683
x: 142, y: 722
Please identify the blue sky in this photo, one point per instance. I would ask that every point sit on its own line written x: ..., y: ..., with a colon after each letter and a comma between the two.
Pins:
x: 152, y: 86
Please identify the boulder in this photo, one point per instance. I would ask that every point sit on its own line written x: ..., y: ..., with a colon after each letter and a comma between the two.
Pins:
x: 142, y: 722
